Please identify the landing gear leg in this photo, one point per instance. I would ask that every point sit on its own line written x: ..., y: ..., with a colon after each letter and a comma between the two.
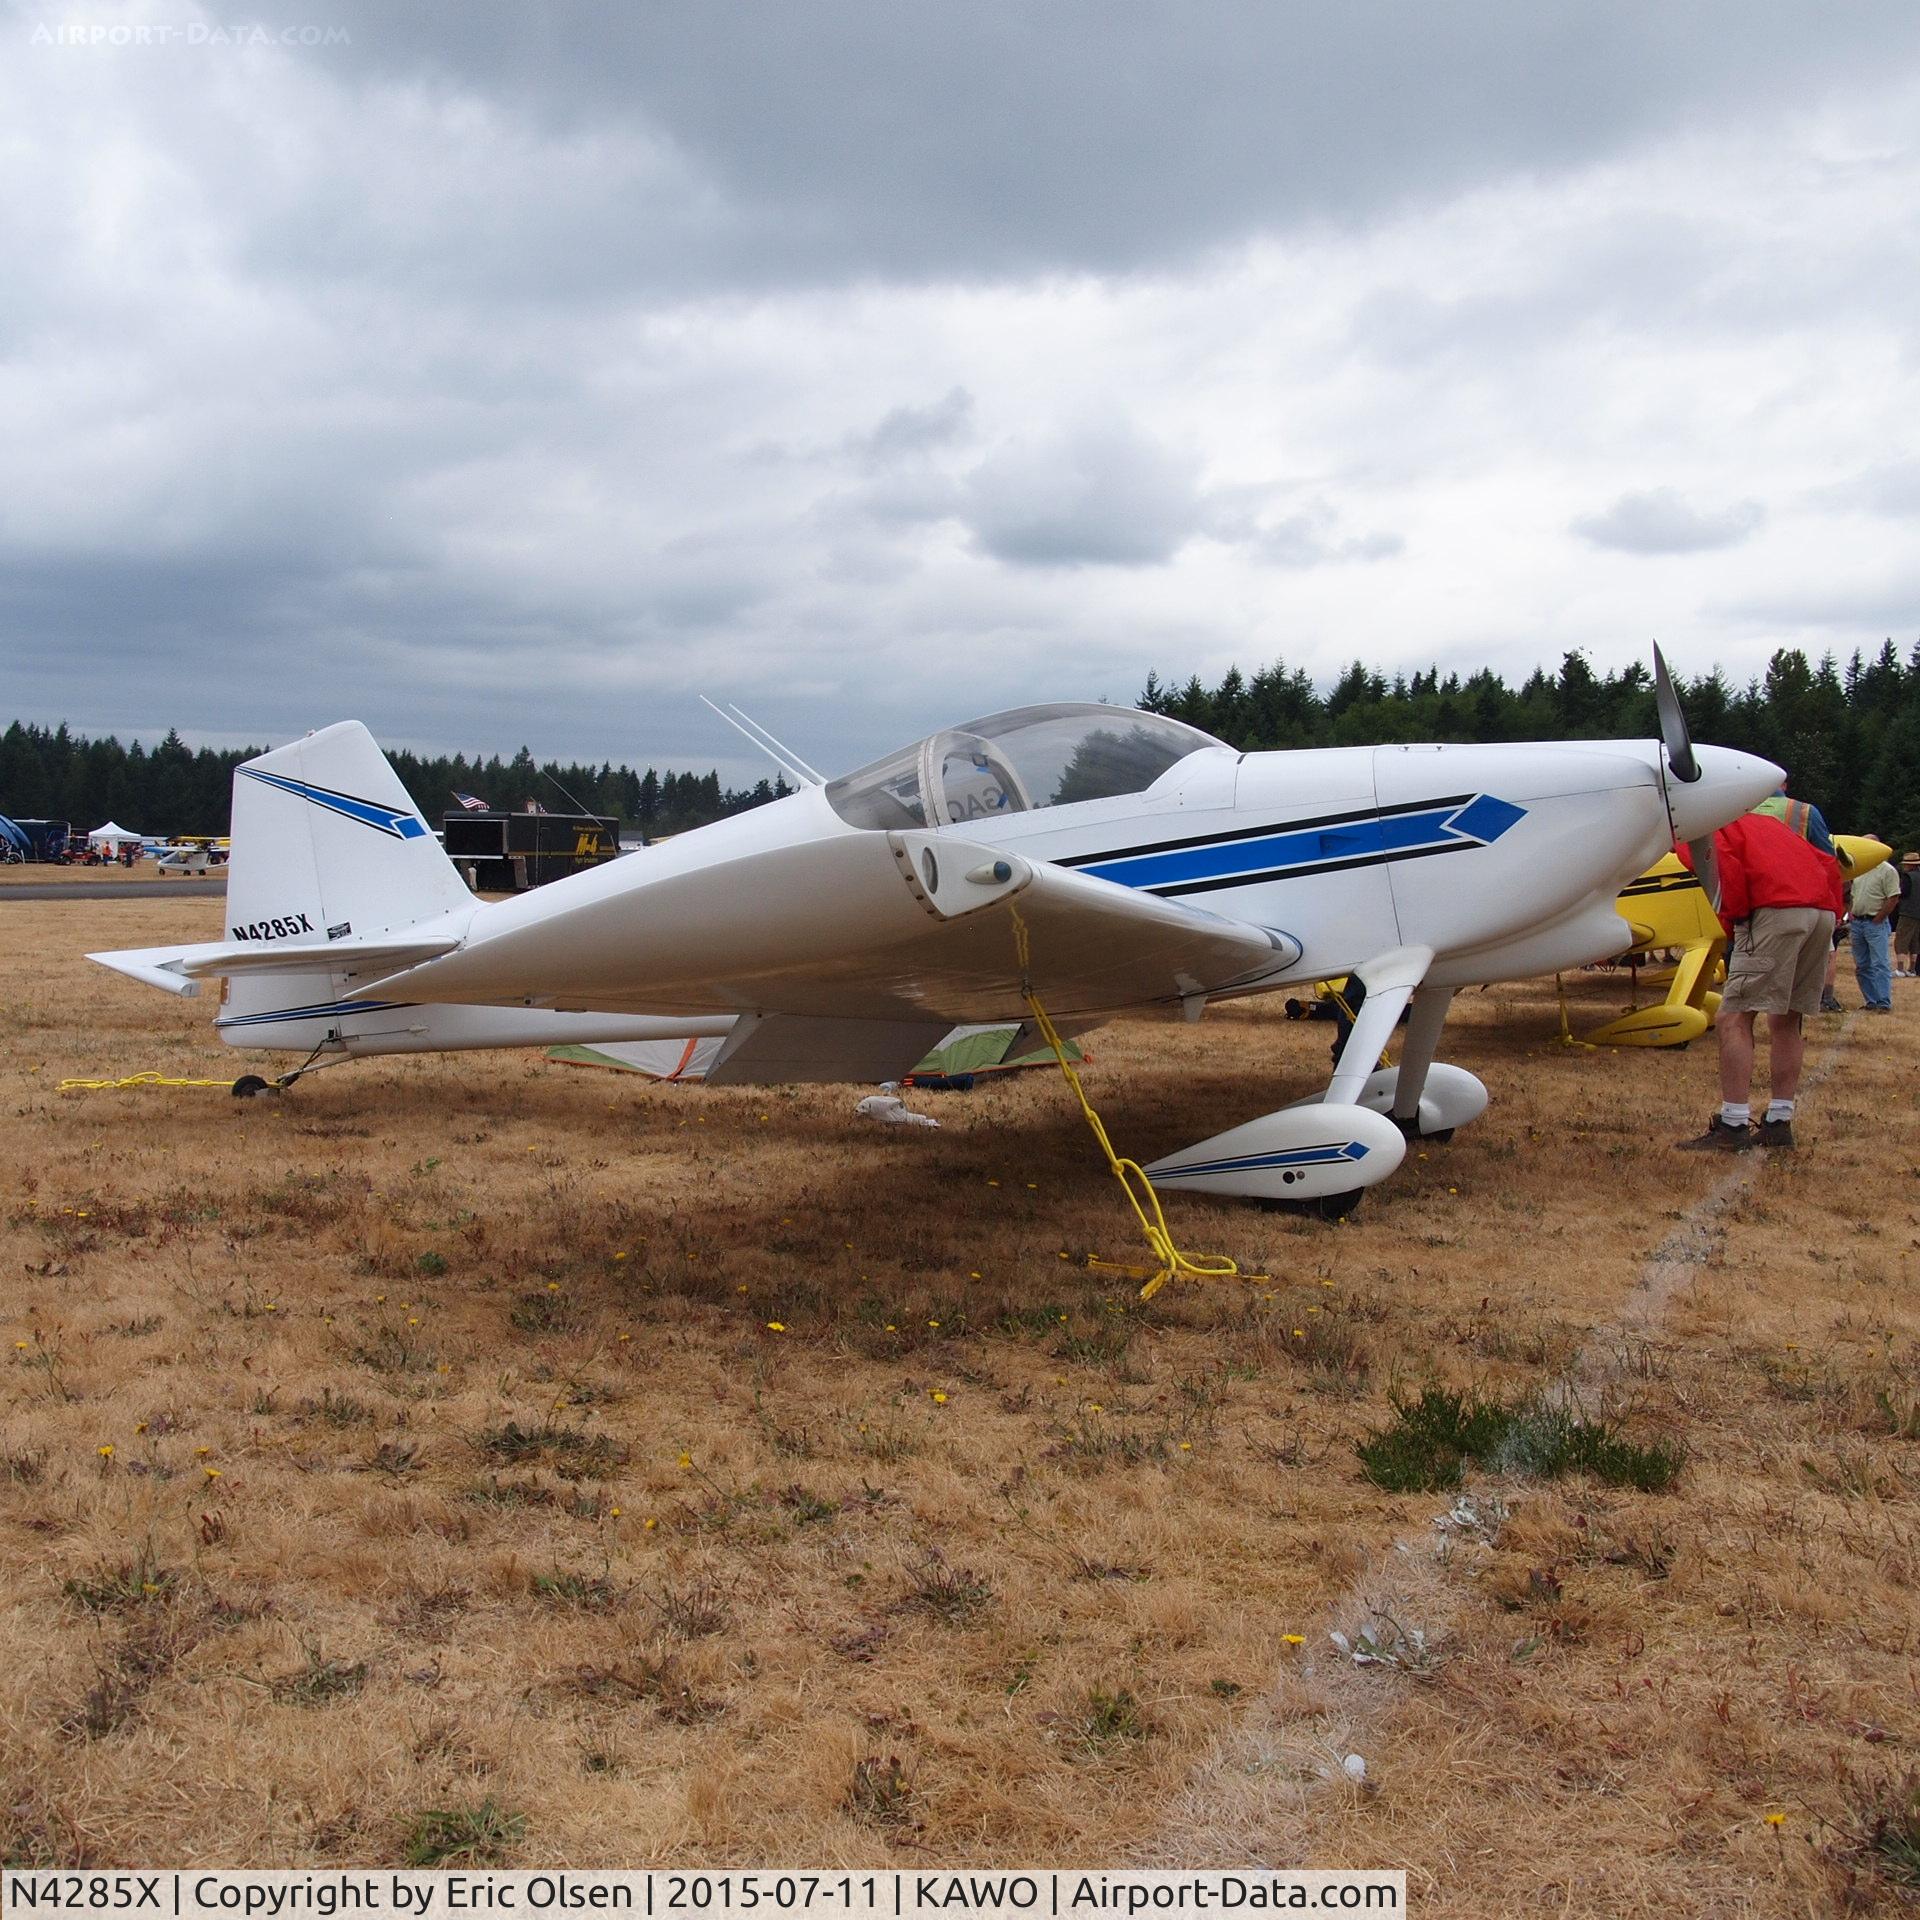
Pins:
x: 1426, y: 1015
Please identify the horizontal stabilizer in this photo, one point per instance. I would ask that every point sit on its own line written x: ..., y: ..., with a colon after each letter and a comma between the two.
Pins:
x: 181, y: 969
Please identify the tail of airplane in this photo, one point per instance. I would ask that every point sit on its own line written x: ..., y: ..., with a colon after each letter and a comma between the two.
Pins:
x: 334, y: 880
x: 326, y: 842
x: 327, y: 848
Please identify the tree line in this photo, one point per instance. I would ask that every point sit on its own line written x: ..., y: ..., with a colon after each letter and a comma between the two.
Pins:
x: 1849, y: 736
x: 50, y: 773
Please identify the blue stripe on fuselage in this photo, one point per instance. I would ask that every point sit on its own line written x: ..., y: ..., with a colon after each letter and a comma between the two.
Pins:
x: 1367, y: 840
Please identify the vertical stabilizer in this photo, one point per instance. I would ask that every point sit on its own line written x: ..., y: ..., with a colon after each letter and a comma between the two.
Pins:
x: 323, y: 828
x: 326, y: 845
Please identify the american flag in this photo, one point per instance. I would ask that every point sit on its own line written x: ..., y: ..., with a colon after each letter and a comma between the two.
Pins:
x: 472, y: 802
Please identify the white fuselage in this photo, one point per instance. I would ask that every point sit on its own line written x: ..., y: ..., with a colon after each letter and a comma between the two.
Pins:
x: 1503, y: 859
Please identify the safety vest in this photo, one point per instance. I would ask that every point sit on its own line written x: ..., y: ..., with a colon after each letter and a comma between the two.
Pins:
x: 1797, y: 814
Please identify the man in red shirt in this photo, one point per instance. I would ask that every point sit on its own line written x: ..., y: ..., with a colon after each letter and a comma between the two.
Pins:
x: 1779, y: 899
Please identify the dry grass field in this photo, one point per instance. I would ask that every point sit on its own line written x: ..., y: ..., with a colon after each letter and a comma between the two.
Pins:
x: 482, y: 1459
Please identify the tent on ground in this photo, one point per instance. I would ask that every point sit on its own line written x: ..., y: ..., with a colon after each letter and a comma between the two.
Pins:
x: 112, y: 836
x: 965, y: 1053
x: 14, y: 844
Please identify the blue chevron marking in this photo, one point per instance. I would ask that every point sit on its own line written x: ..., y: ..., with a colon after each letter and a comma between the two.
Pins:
x: 1272, y: 856
x: 402, y: 823
x: 1329, y: 1153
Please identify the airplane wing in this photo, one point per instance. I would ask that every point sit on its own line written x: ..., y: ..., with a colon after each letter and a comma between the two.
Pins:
x: 912, y: 928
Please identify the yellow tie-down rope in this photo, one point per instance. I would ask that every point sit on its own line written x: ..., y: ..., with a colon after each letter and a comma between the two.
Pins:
x: 1567, y: 1035
x: 136, y: 1080
x: 1131, y: 1175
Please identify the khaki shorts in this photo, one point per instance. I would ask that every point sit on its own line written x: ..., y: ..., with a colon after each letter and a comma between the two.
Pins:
x: 1779, y: 961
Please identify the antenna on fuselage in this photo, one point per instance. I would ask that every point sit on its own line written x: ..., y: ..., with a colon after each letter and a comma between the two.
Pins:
x: 784, y: 757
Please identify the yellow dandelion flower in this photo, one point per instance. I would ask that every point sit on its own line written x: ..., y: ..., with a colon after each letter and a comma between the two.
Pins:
x: 212, y: 1473
x: 270, y: 1308
x: 939, y: 1399
x: 1776, y: 1819
x: 1294, y: 1639
x: 626, y: 1336
x: 935, y: 1323
x: 613, y: 1513
x: 1299, y: 1333
x: 20, y: 1346
x: 776, y: 1326
x: 105, y: 1452
x: 891, y: 1328
x: 686, y: 1460
x: 1033, y: 1186
x: 379, y: 1299
x: 740, y: 1289
x: 200, y: 1453
x: 993, y: 1183
x: 553, y: 1286
x: 139, y: 1426
x: 1453, y: 1189
x: 443, y: 1368
x: 1059, y: 1379
x: 1186, y: 1446
x: 650, y: 1523
x: 1094, y: 1406
x: 619, y: 1256
x: 413, y: 1319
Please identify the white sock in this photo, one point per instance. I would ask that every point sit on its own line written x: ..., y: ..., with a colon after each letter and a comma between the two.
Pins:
x: 1779, y: 1109
x: 1735, y: 1113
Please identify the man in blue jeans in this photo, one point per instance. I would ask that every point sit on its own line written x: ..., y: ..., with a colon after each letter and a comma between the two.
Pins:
x: 1872, y: 901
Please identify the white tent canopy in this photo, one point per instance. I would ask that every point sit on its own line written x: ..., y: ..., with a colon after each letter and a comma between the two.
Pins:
x: 112, y: 836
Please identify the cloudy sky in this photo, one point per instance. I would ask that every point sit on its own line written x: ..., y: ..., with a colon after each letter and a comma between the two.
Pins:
x: 496, y: 372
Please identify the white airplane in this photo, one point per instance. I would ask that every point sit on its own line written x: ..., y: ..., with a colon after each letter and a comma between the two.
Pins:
x: 195, y: 855
x: 1091, y: 859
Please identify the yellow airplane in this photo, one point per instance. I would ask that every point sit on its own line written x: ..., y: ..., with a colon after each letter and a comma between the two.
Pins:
x: 1667, y: 908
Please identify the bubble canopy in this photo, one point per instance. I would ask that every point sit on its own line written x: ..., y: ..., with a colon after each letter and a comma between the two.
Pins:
x: 1016, y: 762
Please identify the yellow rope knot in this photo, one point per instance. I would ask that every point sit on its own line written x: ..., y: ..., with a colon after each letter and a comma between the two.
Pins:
x: 1133, y: 1179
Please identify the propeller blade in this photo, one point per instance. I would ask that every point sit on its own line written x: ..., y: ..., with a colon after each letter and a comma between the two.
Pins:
x: 1673, y: 724
x: 1706, y: 869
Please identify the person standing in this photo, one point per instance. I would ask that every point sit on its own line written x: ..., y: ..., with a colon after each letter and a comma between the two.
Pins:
x: 1872, y: 901
x: 1906, y: 927
x: 1779, y: 897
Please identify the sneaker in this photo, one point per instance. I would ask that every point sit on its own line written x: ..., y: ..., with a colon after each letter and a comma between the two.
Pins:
x: 1718, y: 1138
x: 1773, y: 1133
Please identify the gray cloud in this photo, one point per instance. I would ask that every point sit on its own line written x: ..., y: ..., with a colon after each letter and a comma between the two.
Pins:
x: 910, y: 137
x: 1660, y: 521
x: 1099, y: 495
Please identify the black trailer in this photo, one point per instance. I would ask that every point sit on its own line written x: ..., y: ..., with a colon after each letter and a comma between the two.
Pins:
x: 512, y: 852
x: 46, y: 839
